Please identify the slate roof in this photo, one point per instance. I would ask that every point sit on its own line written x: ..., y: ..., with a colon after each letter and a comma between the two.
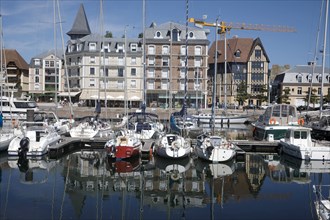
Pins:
x: 291, y: 75
x: 98, y: 38
x: 80, y: 26
x: 45, y: 54
x: 244, y: 45
x: 164, y: 29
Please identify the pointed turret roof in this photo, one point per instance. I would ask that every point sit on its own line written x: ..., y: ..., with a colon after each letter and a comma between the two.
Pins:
x: 80, y: 27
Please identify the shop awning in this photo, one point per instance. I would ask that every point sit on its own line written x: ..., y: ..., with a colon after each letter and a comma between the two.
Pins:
x: 65, y: 94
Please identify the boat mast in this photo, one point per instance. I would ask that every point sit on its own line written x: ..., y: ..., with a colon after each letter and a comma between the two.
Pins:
x: 55, y: 56
x: 65, y: 61
x: 1, y: 70
x: 215, y: 76
x: 144, y: 102
x: 324, y: 52
x: 186, y: 67
x: 315, y: 58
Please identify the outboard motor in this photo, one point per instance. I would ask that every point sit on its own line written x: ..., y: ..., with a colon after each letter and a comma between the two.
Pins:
x: 24, y: 147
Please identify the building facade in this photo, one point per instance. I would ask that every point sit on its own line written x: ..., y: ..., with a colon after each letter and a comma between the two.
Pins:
x: 46, y: 76
x: 166, y: 65
x: 297, y: 81
x: 16, y: 72
x: 247, y: 62
x: 105, y: 69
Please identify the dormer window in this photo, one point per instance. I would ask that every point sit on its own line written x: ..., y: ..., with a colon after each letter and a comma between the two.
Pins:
x: 133, y: 47
x: 92, y: 46
x: 191, y: 34
x: 237, y: 53
x: 299, y: 78
x: 309, y: 77
x: 158, y: 34
x: 175, y: 35
x: 37, y: 62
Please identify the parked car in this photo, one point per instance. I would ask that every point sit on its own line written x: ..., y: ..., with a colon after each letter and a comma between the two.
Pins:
x: 250, y: 106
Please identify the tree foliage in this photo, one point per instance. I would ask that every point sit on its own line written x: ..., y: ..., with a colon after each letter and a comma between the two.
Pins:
x: 314, y: 98
x: 242, y: 94
x: 108, y: 34
x: 261, y: 96
x: 285, y: 97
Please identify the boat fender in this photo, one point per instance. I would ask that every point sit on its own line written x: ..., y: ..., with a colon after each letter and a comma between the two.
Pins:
x: 272, y: 121
x: 301, y: 121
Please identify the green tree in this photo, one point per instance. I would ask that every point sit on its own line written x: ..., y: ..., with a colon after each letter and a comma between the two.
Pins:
x: 314, y: 98
x: 242, y: 94
x: 261, y: 96
x: 285, y: 97
x: 108, y: 34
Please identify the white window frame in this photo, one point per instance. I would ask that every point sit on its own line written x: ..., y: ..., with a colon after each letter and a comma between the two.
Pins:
x: 198, y: 51
x: 92, y: 46
x: 91, y: 82
x: 151, y: 49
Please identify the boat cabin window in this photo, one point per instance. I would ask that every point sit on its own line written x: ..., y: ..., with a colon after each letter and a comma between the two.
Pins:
x: 25, y: 104
x: 283, y: 111
x: 277, y: 111
x: 216, y: 141
x: 300, y: 135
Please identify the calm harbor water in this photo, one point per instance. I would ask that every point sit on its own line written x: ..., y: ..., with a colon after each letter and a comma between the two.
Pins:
x: 85, y: 184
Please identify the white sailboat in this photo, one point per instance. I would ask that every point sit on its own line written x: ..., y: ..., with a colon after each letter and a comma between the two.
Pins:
x: 172, y: 146
x: 211, y: 147
x: 93, y: 126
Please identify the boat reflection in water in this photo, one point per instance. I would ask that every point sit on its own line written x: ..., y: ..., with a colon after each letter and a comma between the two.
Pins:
x: 88, y: 185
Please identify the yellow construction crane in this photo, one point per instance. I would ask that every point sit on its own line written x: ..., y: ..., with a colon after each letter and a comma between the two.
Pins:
x: 226, y: 27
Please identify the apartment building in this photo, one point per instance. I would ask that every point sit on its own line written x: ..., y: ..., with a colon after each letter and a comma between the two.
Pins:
x: 106, y: 69
x: 298, y: 80
x: 46, y: 76
x: 16, y: 72
x: 166, y: 65
x: 247, y: 61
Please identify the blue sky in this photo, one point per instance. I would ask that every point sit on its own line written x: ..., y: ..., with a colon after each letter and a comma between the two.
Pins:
x: 28, y: 25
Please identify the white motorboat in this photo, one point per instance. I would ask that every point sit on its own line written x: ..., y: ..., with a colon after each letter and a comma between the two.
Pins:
x: 17, y: 108
x: 214, y: 148
x: 275, y: 122
x: 299, y: 143
x: 62, y: 126
x: 172, y: 146
x: 35, y: 140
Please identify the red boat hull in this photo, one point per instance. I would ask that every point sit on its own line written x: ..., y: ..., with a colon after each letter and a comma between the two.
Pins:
x: 123, y: 152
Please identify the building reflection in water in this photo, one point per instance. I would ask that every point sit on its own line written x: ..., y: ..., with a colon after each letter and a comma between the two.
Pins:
x: 172, y: 185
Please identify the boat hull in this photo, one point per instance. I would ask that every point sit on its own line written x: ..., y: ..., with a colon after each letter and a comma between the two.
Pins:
x: 217, y: 154
x: 170, y: 152
x: 306, y: 152
x: 123, y: 152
